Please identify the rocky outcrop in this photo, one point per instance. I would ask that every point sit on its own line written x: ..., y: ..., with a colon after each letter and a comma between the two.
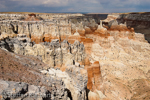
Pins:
x: 94, y: 77
x: 82, y: 59
x: 53, y: 53
x: 20, y: 90
x: 139, y: 21
x: 120, y: 65
x: 36, y: 28
x: 59, y: 85
x: 20, y: 69
x: 75, y: 81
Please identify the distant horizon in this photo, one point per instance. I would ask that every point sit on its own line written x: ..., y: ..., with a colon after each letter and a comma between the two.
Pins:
x: 73, y: 12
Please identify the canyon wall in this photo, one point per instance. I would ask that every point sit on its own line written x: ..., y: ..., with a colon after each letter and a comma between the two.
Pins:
x: 95, y: 59
x: 28, y: 77
x: 139, y: 21
x: 53, y: 53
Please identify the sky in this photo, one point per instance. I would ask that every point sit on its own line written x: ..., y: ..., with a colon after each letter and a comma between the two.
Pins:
x: 87, y: 6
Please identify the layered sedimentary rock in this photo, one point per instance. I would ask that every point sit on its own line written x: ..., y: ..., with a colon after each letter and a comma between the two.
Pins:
x: 94, y: 76
x: 109, y: 61
x: 53, y: 53
x: 139, y: 21
x: 36, y: 28
x: 30, y: 69
x: 120, y: 65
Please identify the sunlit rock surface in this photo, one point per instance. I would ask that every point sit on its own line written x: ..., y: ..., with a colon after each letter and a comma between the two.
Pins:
x: 89, y: 58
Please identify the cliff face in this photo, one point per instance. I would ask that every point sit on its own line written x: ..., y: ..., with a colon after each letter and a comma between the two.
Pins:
x: 106, y: 61
x: 41, y: 81
x: 139, y: 21
x: 53, y: 53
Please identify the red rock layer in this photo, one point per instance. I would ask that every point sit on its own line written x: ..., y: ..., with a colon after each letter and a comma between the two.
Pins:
x: 32, y: 17
x: 64, y: 37
x: 45, y: 38
x: 99, y: 32
x: 94, y: 76
x: 37, y: 39
x: 48, y: 38
x: 88, y: 31
x: 86, y: 63
x: 123, y: 31
x: 73, y: 38
x: 119, y: 28
x: 80, y: 31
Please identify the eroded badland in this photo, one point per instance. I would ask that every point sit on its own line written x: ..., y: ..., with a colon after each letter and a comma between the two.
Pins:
x: 74, y: 56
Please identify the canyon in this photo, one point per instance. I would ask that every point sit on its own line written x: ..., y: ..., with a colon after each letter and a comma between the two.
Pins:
x: 45, y: 56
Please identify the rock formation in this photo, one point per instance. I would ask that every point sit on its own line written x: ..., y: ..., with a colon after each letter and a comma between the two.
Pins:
x: 94, y: 76
x: 139, y: 21
x: 21, y: 90
x: 74, y: 57
x: 53, y: 53
x: 31, y: 70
